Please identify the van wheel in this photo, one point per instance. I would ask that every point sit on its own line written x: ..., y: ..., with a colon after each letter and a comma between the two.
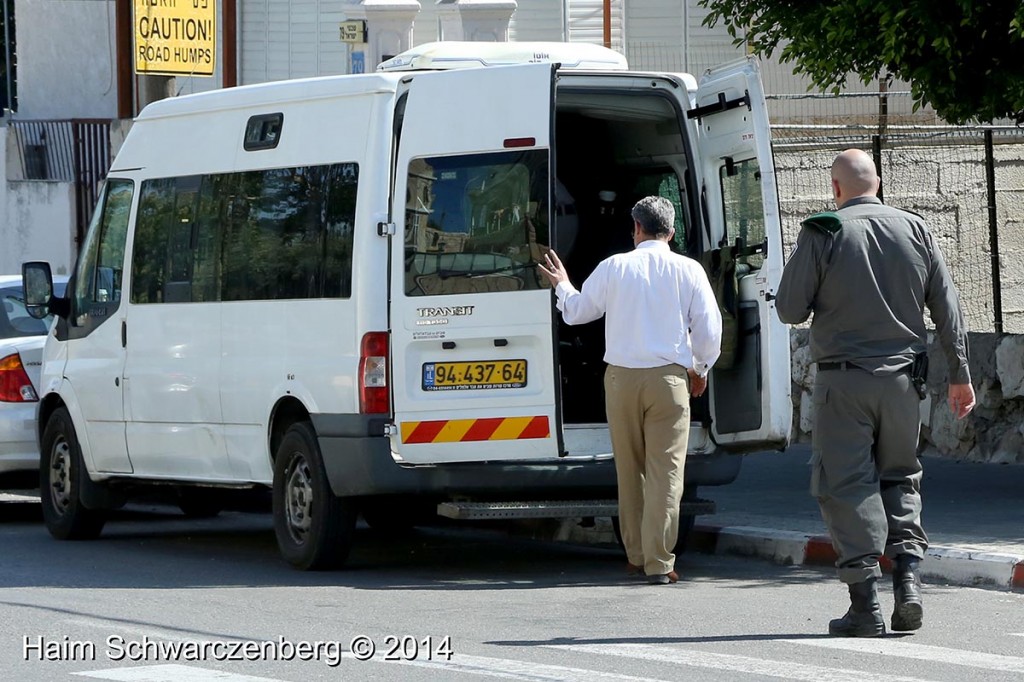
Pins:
x: 314, y: 528
x: 60, y: 483
x: 199, y: 503
x: 686, y: 523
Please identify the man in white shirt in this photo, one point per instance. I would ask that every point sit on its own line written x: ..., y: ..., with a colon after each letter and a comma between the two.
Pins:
x: 663, y: 331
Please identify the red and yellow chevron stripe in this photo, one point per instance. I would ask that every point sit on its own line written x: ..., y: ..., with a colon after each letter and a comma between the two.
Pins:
x: 464, y: 430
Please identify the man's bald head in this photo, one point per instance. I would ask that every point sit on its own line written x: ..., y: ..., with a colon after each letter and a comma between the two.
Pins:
x: 853, y: 175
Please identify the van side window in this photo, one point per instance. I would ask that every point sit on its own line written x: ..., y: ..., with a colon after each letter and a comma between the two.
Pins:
x: 743, y: 208
x: 99, y: 272
x: 284, y: 233
x: 475, y: 223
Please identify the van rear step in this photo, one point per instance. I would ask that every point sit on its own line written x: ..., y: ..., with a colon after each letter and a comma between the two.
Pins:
x: 552, y: 509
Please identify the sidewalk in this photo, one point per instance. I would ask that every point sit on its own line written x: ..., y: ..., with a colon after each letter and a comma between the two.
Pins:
x: 973, y: 514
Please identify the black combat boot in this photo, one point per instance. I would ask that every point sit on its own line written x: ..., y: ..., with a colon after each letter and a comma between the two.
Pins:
x: 864, y: 619
x: 906, y: 588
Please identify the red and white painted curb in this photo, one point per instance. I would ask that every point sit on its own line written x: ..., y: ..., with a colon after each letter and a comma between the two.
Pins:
x: 952, y: 565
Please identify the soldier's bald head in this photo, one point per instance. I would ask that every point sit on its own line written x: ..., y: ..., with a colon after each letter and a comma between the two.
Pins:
x: 853, y: 175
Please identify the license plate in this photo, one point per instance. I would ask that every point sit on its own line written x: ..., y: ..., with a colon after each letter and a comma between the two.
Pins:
x: 460, y: 376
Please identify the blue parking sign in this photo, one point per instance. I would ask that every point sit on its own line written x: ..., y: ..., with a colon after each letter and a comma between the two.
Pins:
x: 358, y: 62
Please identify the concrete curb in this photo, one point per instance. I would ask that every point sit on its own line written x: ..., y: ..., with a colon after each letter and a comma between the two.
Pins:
x: 943, y: 564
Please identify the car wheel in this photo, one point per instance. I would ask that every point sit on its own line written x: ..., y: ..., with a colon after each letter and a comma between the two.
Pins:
x: 60, y: 483
x: 314, y: 528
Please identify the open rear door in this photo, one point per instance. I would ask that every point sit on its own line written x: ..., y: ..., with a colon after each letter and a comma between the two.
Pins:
x: 750, y: 394
x: 471, y: 318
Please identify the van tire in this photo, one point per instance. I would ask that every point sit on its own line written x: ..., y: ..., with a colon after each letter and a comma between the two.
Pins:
x: 61, y: 471
x: 314, y: 528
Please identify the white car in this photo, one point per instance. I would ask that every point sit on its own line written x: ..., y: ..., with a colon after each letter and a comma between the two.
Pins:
x: 21, y: 353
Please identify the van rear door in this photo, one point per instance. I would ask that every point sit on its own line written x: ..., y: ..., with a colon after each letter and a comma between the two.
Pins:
x: 473, y: 370
x: 750, y: 396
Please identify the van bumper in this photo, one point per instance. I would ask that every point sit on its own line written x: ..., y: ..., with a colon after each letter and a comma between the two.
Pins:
x: 359, y: 464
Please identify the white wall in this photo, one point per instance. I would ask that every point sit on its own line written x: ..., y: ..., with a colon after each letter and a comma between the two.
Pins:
x: 65, y: 59
x: 279, y: 40
x: 537, y: 20
x: 36, y: 220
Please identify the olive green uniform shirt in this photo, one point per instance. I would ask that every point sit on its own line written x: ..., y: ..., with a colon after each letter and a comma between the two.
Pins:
x: 867, y: 272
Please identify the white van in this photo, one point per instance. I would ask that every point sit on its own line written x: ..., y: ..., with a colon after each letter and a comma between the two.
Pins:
x: 328, y: 287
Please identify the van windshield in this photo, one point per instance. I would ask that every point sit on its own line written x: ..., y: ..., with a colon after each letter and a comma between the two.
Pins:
x: 476, y: 223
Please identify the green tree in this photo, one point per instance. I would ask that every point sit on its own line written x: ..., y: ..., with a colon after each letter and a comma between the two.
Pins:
x: 963, y: 57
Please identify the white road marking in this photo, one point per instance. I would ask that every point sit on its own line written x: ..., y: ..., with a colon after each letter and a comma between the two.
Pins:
x: 171, y: 673
x: 154, y: 631
x: 921, y: 652
x: 742, y: 664
x: 513, y: 669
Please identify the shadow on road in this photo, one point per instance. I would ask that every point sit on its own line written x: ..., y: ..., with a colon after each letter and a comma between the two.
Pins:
x: 158, y: 548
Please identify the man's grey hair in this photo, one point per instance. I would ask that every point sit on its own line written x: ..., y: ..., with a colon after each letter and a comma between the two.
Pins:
x: 656, y: 216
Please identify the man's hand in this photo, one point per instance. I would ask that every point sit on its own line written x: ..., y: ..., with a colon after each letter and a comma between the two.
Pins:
x: 697, y: 383
x: 961, y: 399
x: 553, y: 269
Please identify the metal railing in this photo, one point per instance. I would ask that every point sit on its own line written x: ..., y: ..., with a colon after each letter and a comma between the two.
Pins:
x: 76, y: 151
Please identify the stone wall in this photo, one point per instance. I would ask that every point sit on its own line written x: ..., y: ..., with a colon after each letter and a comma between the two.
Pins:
x: 993, y: 432
x: 946, y: 184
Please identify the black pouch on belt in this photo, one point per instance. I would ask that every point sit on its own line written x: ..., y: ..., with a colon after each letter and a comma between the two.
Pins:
x: 919, y: 373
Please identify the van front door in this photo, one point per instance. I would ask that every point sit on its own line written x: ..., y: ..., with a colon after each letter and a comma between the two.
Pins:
x: 750, y: 389
x: 95, y: 331
x: 471, y: 320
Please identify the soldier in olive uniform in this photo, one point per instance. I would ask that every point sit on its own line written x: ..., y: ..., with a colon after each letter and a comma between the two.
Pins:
x: 867, y: 272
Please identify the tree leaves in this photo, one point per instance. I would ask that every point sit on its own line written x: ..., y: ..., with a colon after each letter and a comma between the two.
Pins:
x: 962, y: 57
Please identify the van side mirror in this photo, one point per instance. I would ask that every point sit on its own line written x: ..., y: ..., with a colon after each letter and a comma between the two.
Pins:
x: 37, y: 281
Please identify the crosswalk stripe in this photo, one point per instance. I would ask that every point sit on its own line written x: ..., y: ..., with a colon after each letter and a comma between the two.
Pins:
x: 170, y: 673
x: 742, y: 664
x: 922, y: 652
x: 513, y: 669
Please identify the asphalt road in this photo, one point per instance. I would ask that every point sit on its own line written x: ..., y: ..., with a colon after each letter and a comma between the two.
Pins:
x: 453, y: 602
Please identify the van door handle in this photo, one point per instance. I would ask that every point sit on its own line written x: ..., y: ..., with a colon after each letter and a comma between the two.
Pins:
x: 447, y: 345
x: 124, y: 334
x: 500, y: 343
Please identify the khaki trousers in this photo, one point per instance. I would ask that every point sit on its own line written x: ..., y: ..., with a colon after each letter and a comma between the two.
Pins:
x: 649, y: 421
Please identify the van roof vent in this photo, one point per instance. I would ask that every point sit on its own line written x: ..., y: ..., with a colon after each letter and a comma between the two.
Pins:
x: 454, y: 54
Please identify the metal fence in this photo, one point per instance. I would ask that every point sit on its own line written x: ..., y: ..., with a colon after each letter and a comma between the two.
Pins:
x: 967, y: 182
x: 75, y: 151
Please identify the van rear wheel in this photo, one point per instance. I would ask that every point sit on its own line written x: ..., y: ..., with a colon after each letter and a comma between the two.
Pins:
x: 314, y: 528
x: 61, y: 471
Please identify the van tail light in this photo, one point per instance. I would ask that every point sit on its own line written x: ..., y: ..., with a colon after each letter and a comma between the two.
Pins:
x: 15, y: 386
x: 373, y: 374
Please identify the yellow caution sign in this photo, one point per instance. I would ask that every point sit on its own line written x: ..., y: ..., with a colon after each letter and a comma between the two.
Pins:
x: 175, y: 37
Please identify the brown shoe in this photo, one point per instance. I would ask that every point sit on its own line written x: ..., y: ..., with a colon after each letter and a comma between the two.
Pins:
x: 663, y: 578
x: 633, y: 569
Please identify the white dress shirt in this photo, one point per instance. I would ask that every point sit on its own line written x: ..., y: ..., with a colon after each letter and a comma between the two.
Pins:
x: 658, y: 305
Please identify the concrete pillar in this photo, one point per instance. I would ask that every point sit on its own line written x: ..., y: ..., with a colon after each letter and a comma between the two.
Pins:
x: 153, y: 88
x: 388, y: 31
x: 475, y: 20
